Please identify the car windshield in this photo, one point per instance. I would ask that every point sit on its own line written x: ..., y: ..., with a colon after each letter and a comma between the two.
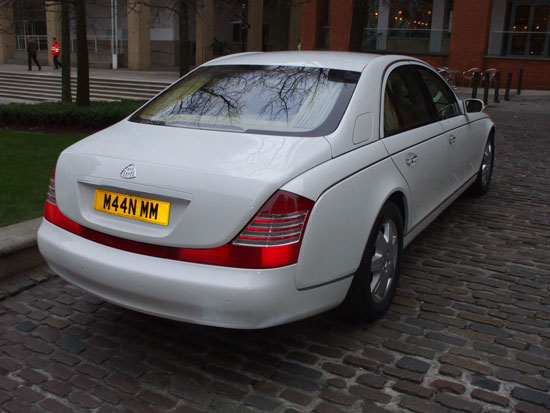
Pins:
x: 289, y: 100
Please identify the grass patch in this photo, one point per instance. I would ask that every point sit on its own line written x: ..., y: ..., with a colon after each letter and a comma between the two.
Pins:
x: 27, y: 161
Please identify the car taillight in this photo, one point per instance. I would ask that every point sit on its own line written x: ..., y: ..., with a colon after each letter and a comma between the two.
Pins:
x: 51, y: 189
x: 271, y: 239
x: 280, y: 221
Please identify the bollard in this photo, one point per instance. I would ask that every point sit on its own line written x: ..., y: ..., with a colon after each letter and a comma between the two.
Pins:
x: 508, y: 84
x: 520, y: 80
x: 486, y: 88
x: 497, y: 86
x: 475, y: 81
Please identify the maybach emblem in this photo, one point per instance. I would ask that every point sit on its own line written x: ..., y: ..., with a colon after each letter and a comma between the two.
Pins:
x: 129, y: 172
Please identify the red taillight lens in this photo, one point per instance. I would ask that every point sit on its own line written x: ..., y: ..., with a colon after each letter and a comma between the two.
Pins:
x: 50, y: 197
x: 272, y: 239
x: 280, y: 221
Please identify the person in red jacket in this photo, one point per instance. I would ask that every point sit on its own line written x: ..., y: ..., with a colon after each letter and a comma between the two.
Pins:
x: 56, y: 51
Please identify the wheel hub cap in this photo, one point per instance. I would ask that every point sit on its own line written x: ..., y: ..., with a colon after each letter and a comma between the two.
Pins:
x: 384, y: 260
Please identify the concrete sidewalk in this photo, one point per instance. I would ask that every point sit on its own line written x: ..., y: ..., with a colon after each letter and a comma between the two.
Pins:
x: 169, y: 74
x: 18, y: 250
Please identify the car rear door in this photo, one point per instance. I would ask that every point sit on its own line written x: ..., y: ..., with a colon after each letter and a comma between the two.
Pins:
x: 415, y: 140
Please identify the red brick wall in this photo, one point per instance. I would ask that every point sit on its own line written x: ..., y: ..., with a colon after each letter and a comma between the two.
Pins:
x: 435, y: 61
x: 469, y: 33
x: 314, y: 16
x: 536, y: 73
x: 468, y: 47
x: 340, y: 24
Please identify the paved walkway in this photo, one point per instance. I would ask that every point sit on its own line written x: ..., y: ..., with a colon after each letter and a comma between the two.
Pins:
x: 469, y: 330
x: 168, y: 74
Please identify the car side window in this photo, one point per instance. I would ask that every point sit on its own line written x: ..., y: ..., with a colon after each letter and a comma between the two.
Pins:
x: 391, y: 119
x: 443, y: 99
x: 405, y: 100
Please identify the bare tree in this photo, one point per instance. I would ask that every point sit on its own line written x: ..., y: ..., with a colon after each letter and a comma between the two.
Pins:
x: 66, y: 95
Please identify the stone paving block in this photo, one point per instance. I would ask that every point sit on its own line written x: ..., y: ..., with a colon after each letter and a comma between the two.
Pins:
x: 441, y: 384
x: 418, y: 405
x: 532, y: 396
x: 469, y: 328
x: 489, y: 397
x: 296, y: 397
x: 412, y: 364
x: 458, y: 403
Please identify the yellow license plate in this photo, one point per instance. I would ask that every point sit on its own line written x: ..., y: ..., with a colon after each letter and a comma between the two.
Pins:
x: 135, y: 207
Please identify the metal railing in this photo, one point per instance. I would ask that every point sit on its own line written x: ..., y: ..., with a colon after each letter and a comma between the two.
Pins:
x: 520, y: 44
x: 42, y: 40
x: 97, y: 44
x: 406, y: 40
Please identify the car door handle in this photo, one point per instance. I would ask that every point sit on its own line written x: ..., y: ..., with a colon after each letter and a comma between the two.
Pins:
x: 411, y: 159
x: 452, y: 139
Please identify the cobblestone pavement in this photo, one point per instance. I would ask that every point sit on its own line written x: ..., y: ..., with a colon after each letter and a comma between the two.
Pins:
x: 468, y: 331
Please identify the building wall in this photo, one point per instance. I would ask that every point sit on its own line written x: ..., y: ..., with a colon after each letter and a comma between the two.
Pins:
x: 470, y: 33
x: 536, y: 73
x: 473, y: 21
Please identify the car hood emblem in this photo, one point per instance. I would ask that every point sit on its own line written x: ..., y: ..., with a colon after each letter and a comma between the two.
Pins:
x: 129, y: 172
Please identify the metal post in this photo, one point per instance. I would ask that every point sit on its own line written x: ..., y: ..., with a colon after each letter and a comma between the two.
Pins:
x: 114, y: 35
x: 520, y: 81
x: 508, y: 84
x: 497, y: 86
x: 475, y: 81
x: 243, y: 26
x: 486, y: 88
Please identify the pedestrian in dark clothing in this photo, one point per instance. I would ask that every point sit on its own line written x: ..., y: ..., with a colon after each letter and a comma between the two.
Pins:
x: 32, y: 49
x: 56, y: 51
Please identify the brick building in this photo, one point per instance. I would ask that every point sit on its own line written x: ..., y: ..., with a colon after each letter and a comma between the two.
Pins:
x: 459, y: 34
x: 462, y: 34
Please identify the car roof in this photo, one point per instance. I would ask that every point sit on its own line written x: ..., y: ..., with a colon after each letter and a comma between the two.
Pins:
x: 325, y: 59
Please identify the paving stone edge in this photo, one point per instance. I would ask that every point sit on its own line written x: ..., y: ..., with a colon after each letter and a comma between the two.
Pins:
x: 18, y: 248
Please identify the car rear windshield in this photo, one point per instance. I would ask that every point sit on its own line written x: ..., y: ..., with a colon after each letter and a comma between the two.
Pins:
x: 277, y: 100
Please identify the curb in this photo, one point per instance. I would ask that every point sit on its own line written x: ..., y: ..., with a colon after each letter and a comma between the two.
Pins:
x: 18, y: 249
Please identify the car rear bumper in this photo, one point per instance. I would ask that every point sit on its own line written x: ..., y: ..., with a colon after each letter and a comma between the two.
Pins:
x: 196, y: 293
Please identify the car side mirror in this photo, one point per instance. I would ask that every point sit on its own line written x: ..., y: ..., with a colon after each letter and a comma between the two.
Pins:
x: 474, y: 105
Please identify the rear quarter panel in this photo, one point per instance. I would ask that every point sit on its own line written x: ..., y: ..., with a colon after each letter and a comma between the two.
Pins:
x: 349, y: 191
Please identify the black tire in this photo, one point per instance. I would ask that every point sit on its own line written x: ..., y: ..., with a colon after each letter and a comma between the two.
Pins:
x: 372, y: 289
x: 483, y: 181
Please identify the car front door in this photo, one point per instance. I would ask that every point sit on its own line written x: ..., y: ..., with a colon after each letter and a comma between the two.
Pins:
x: 459, y: 134
x: 415, y: 140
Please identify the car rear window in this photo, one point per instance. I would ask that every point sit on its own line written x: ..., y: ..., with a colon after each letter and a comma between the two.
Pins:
x: 280, y: 100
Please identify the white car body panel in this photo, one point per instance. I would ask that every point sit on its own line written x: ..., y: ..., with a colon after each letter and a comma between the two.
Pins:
x: 430, y: 147
x: 342, y: 221
x: 334, y: 60
x: 217, y: 180
x: 205, y: 294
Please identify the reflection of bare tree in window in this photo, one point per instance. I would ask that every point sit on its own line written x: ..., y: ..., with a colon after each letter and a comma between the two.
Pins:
x: 251, y: 97
x: 280, y: 90
x: 288, y: 96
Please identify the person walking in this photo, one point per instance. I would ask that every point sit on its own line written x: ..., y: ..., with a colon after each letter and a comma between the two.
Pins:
x: 32, y: 49
x: 56, y: 51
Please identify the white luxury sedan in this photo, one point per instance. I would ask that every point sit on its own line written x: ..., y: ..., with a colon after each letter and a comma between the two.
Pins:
x: 263, y: 188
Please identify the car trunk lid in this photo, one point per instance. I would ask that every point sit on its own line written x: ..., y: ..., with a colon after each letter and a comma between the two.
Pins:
x: 213, y: 181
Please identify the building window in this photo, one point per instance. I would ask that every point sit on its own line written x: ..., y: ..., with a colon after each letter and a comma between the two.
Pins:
x: 399, y: 26
x: 522, y: 31
x: 529, y: 30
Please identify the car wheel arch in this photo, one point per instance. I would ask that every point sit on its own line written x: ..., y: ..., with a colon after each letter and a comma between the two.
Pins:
x: 399, y: 199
